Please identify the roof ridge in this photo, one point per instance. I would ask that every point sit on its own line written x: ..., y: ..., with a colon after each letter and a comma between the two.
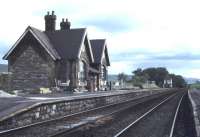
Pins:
x: 38, y: 34
x: 68, y: 30
x: 31, y: 27
x: 97, y: 39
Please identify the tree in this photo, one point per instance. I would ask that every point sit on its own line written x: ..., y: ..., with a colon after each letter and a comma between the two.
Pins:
x: 139, y: 78
x: 138, y: 72
x: 158, y: 75
x: 122, y: 77
x: 178, y: 81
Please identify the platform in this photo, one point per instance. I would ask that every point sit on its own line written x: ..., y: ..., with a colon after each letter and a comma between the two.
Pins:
x: 10, y: 105
x: 34, y: 108
x: 194, y: 96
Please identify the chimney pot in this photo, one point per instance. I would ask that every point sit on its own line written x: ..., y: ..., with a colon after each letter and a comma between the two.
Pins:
x: 65, y: 24
x: 50, y: 22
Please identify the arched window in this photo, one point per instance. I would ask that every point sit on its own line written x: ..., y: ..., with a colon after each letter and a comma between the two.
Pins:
x: 82, y: 68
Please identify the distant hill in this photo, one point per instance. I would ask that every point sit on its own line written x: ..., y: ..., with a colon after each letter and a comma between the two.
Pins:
x: 188, y: 80
x: 191, y: 80
x: 113, y: 77
x: 3, y: 68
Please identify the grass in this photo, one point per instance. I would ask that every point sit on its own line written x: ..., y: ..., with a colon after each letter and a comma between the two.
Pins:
x: 195, y: 85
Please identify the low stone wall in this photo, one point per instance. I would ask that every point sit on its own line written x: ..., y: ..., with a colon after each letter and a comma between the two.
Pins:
x: 195, y: 109
x: 49, y: 110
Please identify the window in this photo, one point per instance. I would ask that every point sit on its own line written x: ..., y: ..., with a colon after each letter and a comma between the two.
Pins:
x: 103, y: 72
x: 82, y: 68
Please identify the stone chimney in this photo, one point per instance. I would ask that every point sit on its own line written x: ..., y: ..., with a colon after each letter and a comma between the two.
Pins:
x: 65, y: 25
x: 50, y: 21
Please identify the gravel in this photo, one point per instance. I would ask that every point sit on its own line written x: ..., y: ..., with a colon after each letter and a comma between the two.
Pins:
x: 185, y: 126
x: 158, y: 123
x: 108, y: 128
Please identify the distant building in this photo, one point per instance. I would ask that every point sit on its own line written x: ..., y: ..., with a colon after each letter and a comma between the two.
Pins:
x: 65, y: 58
x: 101, y: 61
x: 168, y: 83
x: 149, y: 84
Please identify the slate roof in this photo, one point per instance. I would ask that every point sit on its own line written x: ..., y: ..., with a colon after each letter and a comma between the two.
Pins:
x: 45, y: 40
x: 98, y: 47
x: 67, y: 42
x: 41, y: 37
x: 59, y: 44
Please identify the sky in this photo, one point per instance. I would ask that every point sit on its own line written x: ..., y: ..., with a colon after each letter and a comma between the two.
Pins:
x: 139, y: 33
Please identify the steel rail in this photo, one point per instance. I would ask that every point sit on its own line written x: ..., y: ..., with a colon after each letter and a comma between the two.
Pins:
x: 99, y: 118
x: 122, y: 132
x: 107, y: 115
x: 175, y: 117
x: 71, y: 115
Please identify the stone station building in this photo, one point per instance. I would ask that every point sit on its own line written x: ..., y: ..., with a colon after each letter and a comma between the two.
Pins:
x: 64, y: 58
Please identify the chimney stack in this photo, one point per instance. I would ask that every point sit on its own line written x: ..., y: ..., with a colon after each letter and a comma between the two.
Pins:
x: 65, y: 25
x: 50, y: 22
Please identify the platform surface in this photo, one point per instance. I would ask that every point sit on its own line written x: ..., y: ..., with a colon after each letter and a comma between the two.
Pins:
x: 194, y: 96
x: 11, y: 105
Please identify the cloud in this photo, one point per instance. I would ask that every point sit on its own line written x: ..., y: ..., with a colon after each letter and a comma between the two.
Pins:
x: 123, y: 66
x: 3, y: 48
x: 182, y: 56
x: 150, y: 55
x: 131, y: 56
x: 113, y: 23
x: 139, y: 33
x: 178, y: 63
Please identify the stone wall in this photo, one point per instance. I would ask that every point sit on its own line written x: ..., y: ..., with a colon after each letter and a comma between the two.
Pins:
x: 50, y: 110
x: 73, y: 74
x: 63, y: 70
x: 31, y: 67
x: 4, y: 79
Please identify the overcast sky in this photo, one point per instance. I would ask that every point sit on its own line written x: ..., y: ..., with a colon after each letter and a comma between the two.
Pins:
x: 139, y: 33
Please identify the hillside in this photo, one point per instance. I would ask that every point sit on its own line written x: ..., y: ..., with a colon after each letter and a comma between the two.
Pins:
x: 188, y: 80
x: 3, y: 67
x: 191, y: 80
x: 113, y: 77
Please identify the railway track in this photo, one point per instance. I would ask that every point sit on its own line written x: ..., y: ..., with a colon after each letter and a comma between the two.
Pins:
x: 106, y: 128
x: 185, y: 125
x: 134, y: 129
x: 71, y: 122
x: 153, y: 121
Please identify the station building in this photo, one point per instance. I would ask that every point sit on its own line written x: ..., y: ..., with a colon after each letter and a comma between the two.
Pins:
x: 57, y: 58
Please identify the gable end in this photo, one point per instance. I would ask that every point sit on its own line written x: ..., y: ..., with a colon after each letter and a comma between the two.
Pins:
x: 86, y: 42
x: 37, y: 38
